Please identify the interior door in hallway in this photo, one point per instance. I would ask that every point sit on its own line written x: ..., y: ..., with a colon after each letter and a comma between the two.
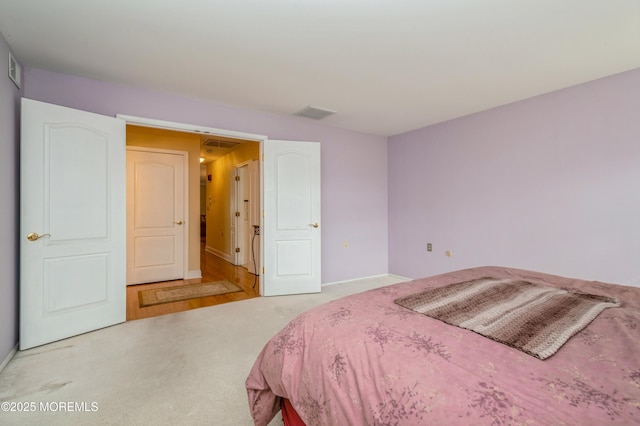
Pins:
x: 72, y: 209
x: 292, y: 249
x: 156, y: 215
x: 241, y: 201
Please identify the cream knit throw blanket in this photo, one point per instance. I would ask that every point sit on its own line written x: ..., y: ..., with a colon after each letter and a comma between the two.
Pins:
x: 535, y: 319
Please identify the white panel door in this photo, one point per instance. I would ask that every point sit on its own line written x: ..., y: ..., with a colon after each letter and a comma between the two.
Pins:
x: 155, y: 215
x: 72, y: 208
x: 292, y: 249
x: 234, y: 212
x: 240, y: 215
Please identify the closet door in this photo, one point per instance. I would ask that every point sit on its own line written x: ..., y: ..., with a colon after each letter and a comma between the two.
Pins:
x: 72, y: 207
x: 292, y: 244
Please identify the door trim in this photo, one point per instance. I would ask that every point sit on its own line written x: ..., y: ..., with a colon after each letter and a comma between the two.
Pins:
x: 185, y: 178
x: 191, y: 128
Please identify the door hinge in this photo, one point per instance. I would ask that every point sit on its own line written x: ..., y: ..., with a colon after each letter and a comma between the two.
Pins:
x: 263, y: 270
x: 237, y: 249
x: 237, y: 178
x: 237, y: 214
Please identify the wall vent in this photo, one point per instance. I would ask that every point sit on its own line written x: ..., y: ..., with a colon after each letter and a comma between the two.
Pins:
x: 213, y: 143
x: 315, y: 113
x: 15, y: 71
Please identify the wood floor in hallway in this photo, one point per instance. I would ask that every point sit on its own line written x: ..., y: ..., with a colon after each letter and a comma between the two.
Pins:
x: 213, y: 268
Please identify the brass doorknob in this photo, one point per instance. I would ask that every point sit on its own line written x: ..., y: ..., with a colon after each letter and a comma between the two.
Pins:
x: 315, y: 225
x: 33, y: 236
x: 179, y: 222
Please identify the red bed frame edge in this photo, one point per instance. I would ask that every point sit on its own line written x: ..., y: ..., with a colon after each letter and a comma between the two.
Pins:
x: 289, y: 415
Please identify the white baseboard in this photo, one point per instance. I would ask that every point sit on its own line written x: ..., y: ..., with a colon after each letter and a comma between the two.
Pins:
x: 400, y: 277
x: 225, y: 256
x: 367, y: 278
x: 9, y: 357
x: 196, y: 273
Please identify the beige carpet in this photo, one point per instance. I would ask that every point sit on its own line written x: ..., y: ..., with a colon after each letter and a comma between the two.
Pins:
x: 185, y: 292
x: 187, y: 368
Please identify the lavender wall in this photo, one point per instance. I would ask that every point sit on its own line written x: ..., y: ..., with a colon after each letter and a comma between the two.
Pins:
x: 9, y: 218
x: 551, y: 183
x: 354, y: 165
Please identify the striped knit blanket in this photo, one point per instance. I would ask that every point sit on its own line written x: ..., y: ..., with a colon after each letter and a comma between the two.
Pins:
x: 533, y: 318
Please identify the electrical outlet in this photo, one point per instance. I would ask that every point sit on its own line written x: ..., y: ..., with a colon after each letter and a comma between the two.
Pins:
x: 429, y: 247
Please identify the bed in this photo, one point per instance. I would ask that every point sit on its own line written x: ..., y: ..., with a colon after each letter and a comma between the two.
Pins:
x: 366, y: 359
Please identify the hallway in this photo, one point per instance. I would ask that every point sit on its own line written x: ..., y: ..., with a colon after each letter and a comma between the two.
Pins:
x: 213, y: 268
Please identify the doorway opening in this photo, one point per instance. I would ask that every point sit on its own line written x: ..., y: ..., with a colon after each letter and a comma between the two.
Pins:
x: 211, y: 221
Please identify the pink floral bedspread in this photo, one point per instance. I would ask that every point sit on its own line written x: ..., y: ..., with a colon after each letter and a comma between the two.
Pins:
x: 363, y: 360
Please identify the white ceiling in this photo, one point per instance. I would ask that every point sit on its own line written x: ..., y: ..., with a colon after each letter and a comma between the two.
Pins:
x: 386, y: 66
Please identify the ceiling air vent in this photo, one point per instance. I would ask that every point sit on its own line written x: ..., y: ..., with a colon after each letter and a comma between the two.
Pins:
x: 315, y: 113
x: 213, y: 143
